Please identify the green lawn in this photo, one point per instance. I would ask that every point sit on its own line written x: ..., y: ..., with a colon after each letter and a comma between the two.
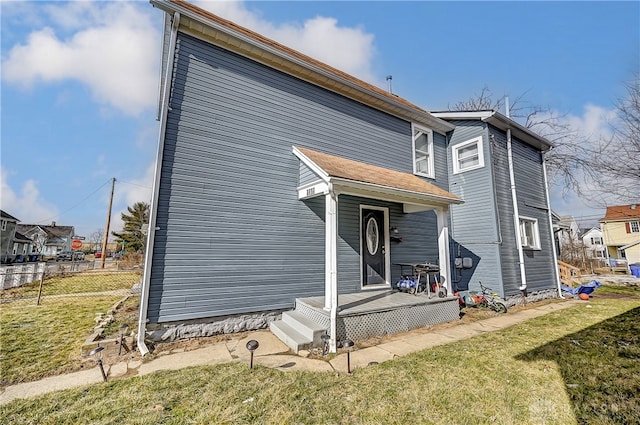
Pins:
x: 578, y: 365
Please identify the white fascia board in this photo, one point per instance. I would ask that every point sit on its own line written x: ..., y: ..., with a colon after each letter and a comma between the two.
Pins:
x: 345, y: 186
x: 463, y: 115
x: 312, y: 165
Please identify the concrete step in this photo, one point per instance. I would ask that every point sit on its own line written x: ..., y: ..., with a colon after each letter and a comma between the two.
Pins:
x: 287, y: 334
x: 302, y: 324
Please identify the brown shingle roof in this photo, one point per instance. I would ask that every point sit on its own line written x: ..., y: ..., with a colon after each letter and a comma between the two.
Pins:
x: 348, y: 169
x: 622, y: 213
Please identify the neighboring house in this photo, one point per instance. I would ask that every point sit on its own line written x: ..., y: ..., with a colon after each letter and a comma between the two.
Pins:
x: 497, y: 167
x: 48, y: 240
x: 7, y: 235
x: 621, y: 232
x: 279, y: 178
x: 571, y: 248
x: 593, y: 244
x: 22, y: 248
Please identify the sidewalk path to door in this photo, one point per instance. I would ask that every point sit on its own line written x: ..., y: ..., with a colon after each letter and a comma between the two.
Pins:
x: 275, y: 354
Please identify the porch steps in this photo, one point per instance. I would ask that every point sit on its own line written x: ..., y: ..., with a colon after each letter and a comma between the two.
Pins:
x: 297, y: 330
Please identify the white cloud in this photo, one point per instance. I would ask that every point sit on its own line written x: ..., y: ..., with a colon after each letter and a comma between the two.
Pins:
x: 114, y: 50
x: 348, y: 49
x: 26, y: 205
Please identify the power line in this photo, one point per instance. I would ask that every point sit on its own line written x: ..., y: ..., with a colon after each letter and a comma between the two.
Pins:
x: 74, y: 206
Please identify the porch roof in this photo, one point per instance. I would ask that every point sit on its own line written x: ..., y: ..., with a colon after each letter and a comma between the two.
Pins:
x: 389, y: 184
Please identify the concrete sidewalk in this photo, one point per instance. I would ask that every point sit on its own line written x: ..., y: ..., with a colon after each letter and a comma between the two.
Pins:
x: 275, y: 354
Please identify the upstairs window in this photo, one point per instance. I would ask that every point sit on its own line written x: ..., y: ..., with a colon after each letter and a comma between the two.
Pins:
x: 529, y: 235
x: 634, y: 227
x: 4, y: 225
x: 423, y: 152
x: 468, y: 156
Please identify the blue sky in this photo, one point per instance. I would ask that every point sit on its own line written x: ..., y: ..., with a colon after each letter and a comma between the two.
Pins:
x: 79, y: 80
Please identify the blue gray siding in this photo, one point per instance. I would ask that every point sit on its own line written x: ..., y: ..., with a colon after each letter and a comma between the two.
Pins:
x: 509, y: 248
x: 474, y: 225
x: 233, y: 237
x: 532, y: 202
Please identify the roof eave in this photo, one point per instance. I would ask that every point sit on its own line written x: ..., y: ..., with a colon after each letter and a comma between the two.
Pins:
x: 254, y: 49
x: 502, y: 122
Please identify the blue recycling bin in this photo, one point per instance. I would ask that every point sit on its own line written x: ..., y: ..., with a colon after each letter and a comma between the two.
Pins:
x: 635, y: 269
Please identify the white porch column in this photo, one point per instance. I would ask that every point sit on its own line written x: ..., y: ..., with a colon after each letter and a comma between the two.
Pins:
x: 443, y: 247
x: 331, y: 264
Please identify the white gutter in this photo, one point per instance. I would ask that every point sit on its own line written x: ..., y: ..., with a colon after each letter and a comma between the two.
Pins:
x: 516, y: 213
x: 553, y: 242
x: 153, y: 208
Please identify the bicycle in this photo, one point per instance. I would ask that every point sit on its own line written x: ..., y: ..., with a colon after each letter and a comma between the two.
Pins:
x: 491, y: 300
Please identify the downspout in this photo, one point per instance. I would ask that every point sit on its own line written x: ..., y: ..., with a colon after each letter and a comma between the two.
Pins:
x: 516, y: 214
x: 553, y: 242
x: 153, y: 208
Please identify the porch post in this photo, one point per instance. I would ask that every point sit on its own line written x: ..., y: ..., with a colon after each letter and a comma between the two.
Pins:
x: 331, y: 264
x: 443, y: 247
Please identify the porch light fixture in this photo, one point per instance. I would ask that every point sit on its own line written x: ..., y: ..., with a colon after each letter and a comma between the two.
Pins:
x: 348, y: 344
x: 97, y: 351
x: 394, y: 234
x: 252, y: 346
x: 123, y: 330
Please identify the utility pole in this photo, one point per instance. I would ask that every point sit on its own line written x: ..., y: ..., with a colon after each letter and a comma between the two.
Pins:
x: 106, y: 232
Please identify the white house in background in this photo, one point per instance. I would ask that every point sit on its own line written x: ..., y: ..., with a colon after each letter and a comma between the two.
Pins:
x: 568, y: 235
x: 593, y: 245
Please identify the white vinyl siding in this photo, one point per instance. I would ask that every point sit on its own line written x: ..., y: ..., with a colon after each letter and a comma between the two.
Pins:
x: 468, y: 156
x: 423, y: 152
x: 529, y: 234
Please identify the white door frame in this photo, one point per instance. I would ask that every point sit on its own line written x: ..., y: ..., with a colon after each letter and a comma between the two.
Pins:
x: 387, y: 246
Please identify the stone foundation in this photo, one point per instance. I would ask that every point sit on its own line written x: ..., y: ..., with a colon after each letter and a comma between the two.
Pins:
x: 546, y: 294
x: 168, y: 332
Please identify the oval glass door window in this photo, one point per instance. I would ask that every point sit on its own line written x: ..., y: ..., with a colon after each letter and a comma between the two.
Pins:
x: 372, y: 236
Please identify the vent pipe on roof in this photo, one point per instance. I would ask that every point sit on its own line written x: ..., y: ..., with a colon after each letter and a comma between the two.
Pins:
x: 389, y: 78
x: 507, y: 107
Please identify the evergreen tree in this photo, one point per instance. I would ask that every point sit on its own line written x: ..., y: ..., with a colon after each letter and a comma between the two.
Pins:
x: 134, y: 232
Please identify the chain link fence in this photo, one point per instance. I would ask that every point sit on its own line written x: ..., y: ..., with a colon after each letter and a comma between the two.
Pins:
x: 39, y: 281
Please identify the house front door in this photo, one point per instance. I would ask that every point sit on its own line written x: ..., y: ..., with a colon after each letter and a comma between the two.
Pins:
x: 373, y: 237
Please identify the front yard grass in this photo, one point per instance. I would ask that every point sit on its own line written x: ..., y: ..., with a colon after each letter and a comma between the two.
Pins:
x: 37, y: 341
x: 578, y: 365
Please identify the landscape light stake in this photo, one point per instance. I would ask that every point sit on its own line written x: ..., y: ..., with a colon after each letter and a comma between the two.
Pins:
x: 123, y: 330
x: 252, y: 346
x: 325, y: 344
x: 347, y: 343
x: 95, y: 351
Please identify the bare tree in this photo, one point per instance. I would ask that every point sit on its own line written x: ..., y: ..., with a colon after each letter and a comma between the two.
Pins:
x: 618, y: 158
x: 96, y: 239
x: 571, y: 159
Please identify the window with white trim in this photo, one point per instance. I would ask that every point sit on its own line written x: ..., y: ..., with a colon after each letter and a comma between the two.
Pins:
x: 468, y: 156
x: 529, y: 234
x: 15, y: 249
x: 4, y: 225
x: 423, y: 152
x: 634, y: 226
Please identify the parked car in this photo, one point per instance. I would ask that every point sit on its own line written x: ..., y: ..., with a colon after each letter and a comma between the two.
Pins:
x: 68, y: 256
